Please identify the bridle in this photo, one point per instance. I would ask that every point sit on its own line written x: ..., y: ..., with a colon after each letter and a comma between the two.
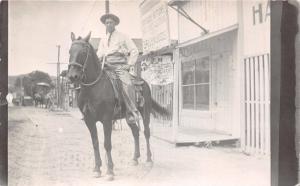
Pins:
x: 83, y: 67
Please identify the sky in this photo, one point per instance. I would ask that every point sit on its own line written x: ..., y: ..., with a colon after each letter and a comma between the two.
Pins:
x: 37, y: 27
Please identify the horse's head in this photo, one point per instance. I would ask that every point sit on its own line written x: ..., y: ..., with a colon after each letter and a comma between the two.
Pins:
x: 79, y: 52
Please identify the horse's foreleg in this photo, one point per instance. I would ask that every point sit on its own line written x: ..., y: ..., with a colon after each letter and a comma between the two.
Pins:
x: 135, y: 132
x: 94, y: 135
x: 107, y: 127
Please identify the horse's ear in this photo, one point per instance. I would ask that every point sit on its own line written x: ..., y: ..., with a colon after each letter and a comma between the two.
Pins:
x: 87, y: 38
x: 73, y: 36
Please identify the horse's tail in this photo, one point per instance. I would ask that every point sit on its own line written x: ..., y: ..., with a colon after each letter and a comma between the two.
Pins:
x: 158, y: 109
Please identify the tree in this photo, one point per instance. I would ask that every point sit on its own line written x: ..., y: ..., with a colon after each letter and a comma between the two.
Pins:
x: 30, y: 80
x: 18, y: 82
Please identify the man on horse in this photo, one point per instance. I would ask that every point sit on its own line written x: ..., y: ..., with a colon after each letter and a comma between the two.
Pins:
x: 120, y: 53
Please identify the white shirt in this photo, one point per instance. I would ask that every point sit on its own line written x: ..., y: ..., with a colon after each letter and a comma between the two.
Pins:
x: 118, y: 43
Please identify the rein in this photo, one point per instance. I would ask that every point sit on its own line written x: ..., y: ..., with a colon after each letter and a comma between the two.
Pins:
x: 82, y: 67
x: 94, y: 82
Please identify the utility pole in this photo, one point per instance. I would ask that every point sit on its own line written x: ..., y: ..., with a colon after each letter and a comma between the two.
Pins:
x: 106, y: 6
x: 58, y: 76
x: 58, y: 63
x: 22, y: 91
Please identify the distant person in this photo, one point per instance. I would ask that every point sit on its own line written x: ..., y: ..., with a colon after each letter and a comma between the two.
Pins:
x: 120, y: 53
x: 9, y: 98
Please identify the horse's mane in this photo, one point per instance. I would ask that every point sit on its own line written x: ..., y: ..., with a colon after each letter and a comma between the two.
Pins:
x: 93, y: 51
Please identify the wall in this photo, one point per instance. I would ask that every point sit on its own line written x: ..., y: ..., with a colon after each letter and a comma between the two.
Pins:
x: 254, y: 51
x: 212, y: 15
x: 158, y: 70
x: 256, y: 27
x: 222, y: 115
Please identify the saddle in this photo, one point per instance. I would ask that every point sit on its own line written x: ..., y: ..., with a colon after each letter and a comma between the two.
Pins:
x: 117, y: 87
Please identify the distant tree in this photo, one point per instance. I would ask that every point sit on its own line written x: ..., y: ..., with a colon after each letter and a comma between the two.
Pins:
x: 30, y: 80
x: 37, y: 77
x: 18, y: 82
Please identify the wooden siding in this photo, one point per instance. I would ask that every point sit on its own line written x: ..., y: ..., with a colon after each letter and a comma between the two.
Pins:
x: 212, y: 15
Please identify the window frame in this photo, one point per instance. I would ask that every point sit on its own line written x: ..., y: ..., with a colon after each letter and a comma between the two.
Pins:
x: 194, y: 84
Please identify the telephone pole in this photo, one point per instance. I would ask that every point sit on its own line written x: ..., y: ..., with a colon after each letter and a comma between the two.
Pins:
x: 106, y: 6
x: 58, y: 63
x: 58, y: 76
x: 22, y: 91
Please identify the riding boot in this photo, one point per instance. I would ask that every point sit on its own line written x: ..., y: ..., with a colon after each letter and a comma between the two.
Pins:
x: 140, y: 98
x: 129, y: 97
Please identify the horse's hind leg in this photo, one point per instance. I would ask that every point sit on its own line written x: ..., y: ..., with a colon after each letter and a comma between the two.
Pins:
x: 135, y: 132
x: 146, y: 123
x: 94, y: 135
x: 147, y: 136
x: 145, y: 112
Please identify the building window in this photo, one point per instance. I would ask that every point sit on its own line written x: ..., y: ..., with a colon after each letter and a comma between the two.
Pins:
x: 196, y: 84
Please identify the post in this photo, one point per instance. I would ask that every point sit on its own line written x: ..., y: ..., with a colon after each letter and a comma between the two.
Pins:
x: 283, y: 153
x: 176, y: 112
x: 106, y: 6
x: 3, y: 90
x: 240, y: 105
x: 58, y: 77
x: 62, y: 99
x: 22, y: 90
x: 297, y: 98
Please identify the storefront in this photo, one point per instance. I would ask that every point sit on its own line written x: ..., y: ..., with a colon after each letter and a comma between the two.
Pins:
x: 206, y: 103
x: 221, y: 71
x: 222, y: 76
x: 206, y: 83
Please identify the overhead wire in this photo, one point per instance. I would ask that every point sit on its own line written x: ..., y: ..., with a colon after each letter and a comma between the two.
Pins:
x: 88, y: 16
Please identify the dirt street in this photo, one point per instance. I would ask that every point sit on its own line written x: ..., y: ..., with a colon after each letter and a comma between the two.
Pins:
x: 54, y: 148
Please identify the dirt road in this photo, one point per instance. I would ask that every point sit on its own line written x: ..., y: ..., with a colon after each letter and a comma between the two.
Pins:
x: 54, y: 148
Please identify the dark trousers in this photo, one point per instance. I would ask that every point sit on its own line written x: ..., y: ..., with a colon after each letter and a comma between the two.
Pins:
x: 128, y: 89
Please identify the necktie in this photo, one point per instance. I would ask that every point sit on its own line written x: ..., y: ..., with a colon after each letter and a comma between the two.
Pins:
x: 108, y: 41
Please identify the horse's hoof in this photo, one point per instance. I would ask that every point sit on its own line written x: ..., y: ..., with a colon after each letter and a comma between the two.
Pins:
x: 97, y: 174
x: 109, y: 177
x: 134, y: 162
x: 149, y: 163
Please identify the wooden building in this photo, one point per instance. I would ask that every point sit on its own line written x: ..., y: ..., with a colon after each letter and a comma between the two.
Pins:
x: 222, y: 74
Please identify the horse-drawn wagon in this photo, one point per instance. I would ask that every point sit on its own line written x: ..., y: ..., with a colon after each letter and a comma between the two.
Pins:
x: 41, y: 95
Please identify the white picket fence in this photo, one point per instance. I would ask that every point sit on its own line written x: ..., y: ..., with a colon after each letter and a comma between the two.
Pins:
x: 256, y: 137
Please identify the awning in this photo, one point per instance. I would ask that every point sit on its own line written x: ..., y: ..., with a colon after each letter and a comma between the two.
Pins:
x: 208, y: 36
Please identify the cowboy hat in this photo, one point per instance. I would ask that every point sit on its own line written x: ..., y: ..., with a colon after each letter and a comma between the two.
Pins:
x: 111, y: 16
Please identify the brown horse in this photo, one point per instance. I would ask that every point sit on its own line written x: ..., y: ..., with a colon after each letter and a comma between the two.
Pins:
x: 97, y: 102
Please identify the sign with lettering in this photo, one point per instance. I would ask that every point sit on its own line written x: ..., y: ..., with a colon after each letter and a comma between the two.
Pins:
x: 256, y: 25
x: 158, y: 71
x: 155, y: 25
x: 259, y: 14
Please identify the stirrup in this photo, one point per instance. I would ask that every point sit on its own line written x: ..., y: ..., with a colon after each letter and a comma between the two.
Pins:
x: 138, y: 82
x: 141, y: 101
x: 133, y: 116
